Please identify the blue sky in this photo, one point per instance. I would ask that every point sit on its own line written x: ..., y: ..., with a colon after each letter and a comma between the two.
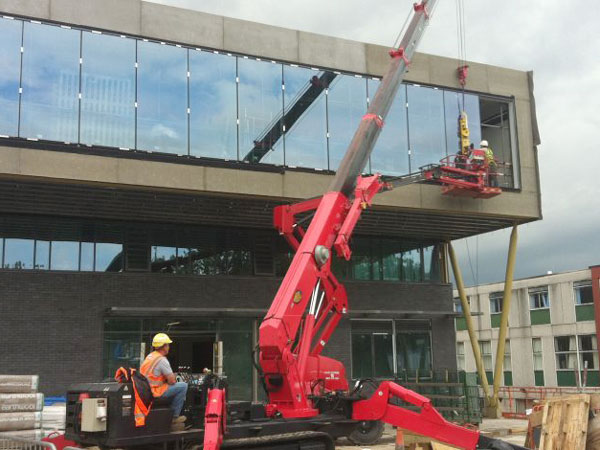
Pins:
x: 559, y: 41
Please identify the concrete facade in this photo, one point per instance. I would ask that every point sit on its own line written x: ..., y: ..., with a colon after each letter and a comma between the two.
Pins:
x: 563, y: 317
x: 206, y: 30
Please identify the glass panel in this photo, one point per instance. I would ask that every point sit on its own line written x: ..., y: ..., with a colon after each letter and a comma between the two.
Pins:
x: 237, y: 362
x: 260, y: 110
x: 584, y: 295
x: 495, y: 128
x: 426, y: 126
x: 453, y: 104
x: 109, y: 257
x: 163, y: 259
x: 64, y: 255
x: 305, y: 117
x: 18, y: 253
x: 411, y: 265
x: 391, y: 262
x: 87, y: 257
x: 42, y: 255
x: 213, y: 105
x: 362, y: 356
x: 346, y: 104
x: 564, y: 343
x: 50, y: 100
x: 384, y: 359
x: 10, y: 55
x: 390, y: 155
x: 413, y: 351
x: 162, y: 98
x: 431, y: 263
x: 2, y: 253
x: 361, y: 259
x: 121, y: 350
x: 108, y: 91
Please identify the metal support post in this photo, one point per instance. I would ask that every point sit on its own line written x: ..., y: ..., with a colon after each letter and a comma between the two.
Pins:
x: 469, y: 320
x: 508, y: 281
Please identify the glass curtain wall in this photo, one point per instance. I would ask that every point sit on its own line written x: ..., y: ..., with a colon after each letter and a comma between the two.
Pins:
x: 11, y: 32
x: 107, y: 90
x: 101, y: 89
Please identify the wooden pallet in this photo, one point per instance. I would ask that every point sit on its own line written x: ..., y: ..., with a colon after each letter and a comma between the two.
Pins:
x: 565, y: 423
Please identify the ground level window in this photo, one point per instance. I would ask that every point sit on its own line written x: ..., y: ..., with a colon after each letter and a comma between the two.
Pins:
x: 372, y: 349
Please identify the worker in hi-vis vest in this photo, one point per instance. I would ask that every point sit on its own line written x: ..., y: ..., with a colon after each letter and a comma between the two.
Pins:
x: 491, y: 163
x: 157, y: 369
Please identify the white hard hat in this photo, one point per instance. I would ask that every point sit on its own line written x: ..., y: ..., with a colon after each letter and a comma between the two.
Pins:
x: 484, y: 143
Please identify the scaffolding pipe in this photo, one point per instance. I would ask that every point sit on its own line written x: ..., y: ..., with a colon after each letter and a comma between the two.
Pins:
x: 469, y: 320
x: 508, y: 281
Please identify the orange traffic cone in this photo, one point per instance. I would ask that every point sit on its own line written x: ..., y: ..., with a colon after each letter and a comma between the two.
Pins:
x: 399, y: 439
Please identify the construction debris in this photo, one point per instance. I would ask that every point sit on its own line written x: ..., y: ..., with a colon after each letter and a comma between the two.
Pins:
x: 20, y: 404
x: 562, y: 423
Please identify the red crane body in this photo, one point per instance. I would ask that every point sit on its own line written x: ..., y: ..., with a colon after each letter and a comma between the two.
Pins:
x: 310, y: 300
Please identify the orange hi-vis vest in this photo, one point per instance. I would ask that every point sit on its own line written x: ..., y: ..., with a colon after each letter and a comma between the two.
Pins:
x: 158, y: 383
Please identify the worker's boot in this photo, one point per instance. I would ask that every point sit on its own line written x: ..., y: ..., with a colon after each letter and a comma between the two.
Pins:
x: 178, y: 423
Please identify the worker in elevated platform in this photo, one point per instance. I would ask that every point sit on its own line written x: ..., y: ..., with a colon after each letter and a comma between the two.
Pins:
x: 491, y: 163
x: 157, y: 369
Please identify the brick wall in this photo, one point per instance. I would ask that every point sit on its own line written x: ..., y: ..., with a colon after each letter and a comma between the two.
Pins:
x: 54, y: 319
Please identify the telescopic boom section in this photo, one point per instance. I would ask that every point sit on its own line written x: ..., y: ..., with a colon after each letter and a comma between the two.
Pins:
x: 310, y: 301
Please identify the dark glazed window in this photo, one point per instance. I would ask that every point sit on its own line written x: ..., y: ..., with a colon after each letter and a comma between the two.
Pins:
x: 413, y: 351
x: 162, y: 98
x: 64, y: 255
x: 426, y: 126
x: 213, y: 108
x: 390, y: 155
x: 50, y: 100
x: 305, y: 117
x: 164, y: 259
x: 108, y: 90
x: 346, y: 104
x: 18, y: 253
x: 260, y: 111
x: 10, y: 55
x: 453, y: 104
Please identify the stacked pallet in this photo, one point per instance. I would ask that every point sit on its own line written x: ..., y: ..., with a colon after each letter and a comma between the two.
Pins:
x: 20, y: 406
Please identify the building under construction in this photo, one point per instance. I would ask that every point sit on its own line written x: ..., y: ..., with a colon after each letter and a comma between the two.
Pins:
x: 143, y: 150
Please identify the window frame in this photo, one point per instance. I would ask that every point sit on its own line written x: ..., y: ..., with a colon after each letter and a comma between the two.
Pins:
x: 496, y: 297
x: 532, y: 292
x: 577, y: 285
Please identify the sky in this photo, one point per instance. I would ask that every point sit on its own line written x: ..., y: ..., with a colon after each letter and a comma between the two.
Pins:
x: 559, y: 41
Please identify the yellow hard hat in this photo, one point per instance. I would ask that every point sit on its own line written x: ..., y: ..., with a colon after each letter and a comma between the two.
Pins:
x: 160, y: 339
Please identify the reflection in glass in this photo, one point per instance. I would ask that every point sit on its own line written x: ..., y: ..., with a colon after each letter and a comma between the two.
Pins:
x: 108, y: 90
x: 390, y: 155
x: 413, y: 351
x: 305, y: 117
x: 86, y: 258
x: 162, y: 98
x: 260, y: 111
x: 411, y: 265
x: 453, y: 105
x: 42, y: 255
x: 18, y: 253
x: 50, y: 100
x: 426, y: 126
x: 346, y: 104
x: 10, y: 55
x: 109, y: 257
x: 163, y: 259
x: 213, y: 108
x: 64, y: 255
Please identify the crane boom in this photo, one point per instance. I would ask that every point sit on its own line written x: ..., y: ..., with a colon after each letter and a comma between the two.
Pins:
x: 290, y: 359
